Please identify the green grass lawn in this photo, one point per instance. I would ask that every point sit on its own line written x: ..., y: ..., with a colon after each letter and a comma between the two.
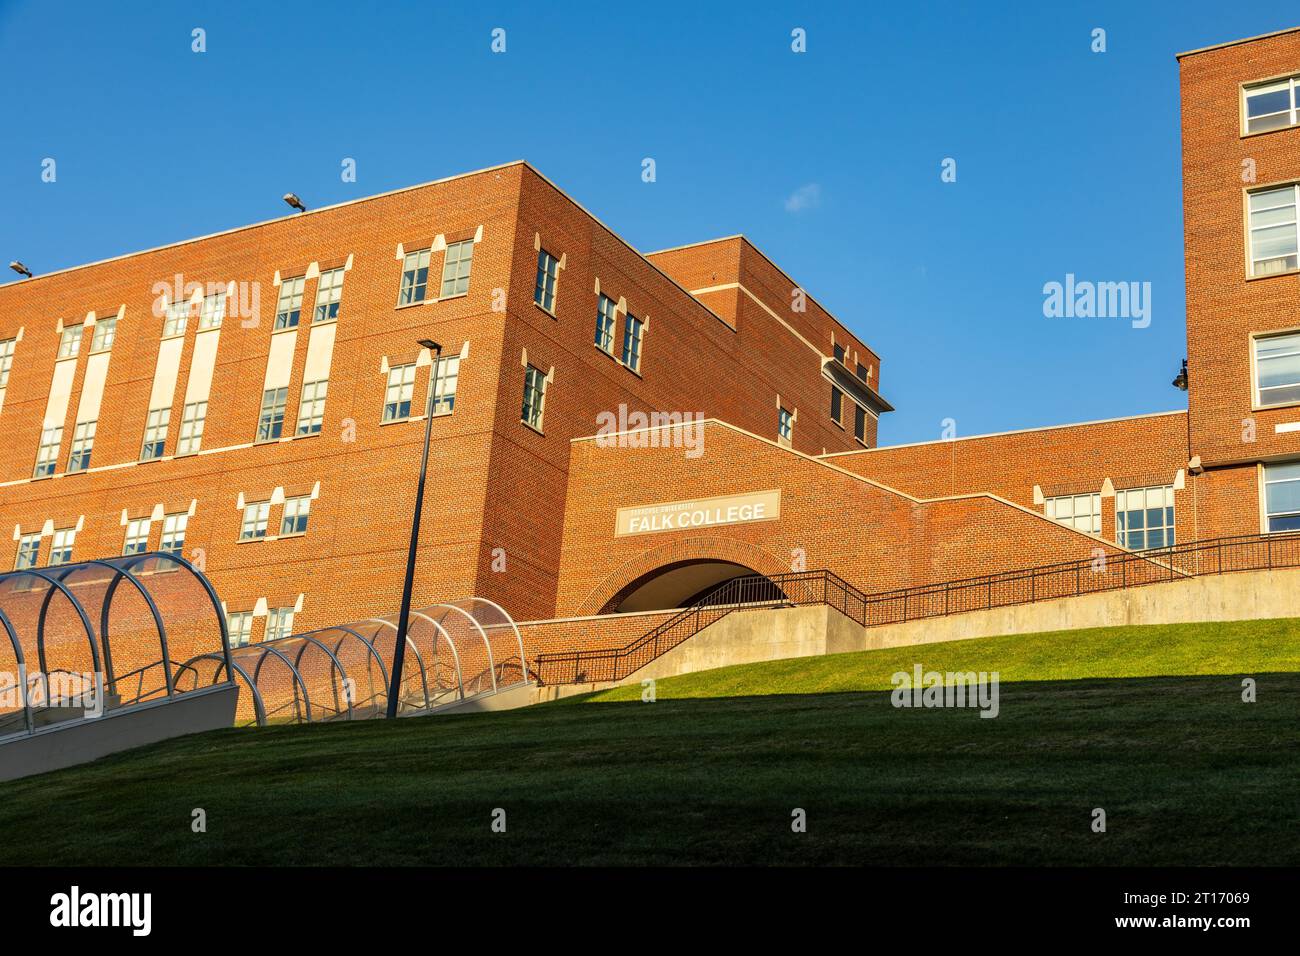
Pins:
x: 1187, y: 773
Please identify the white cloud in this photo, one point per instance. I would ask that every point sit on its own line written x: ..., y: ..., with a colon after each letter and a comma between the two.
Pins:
x: 805, y: 197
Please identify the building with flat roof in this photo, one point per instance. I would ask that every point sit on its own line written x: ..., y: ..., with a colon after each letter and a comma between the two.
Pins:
x: 613, y: 433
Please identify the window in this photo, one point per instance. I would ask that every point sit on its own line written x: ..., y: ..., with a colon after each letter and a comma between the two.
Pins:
x: 271, y: 422
x: 83, y: 441
x: 863, y: 372
x: 177, y: 316
x: 548, y: 272
x: 837, y: 404
x: 48, y: 453
x: 155, y: 434
x: 784, y: 425
x: 455, y: 268
x: 311, y: 410
x: 1273, y: 241
x: 289, y: 308
x: 839, y: 354
x: 446, y: 373
x: 193, y: 417
x: 415, y: 277
x: 328, y: 292
x: 1272, y: 105
x: 534, y: 396
x: 173, y: 533
x: 860, y: 423
x: 279, y: 623
x: 605, y: 308
x: 214, y: 311
x: 1282, y: 496
x: 101, y: 340
x: 61, y: 546
x: 29, y: 552
x: 1144, y: 517
x: 6, y: 363
x: 296, y: 512
x: 632, y: 342
x: 256, y: 514
x: 1077, y: 511
x: 137, y: 536
x: 70, y: 342
x: 1277, y: 369
x: 397, y: 397
x: 239, y: 625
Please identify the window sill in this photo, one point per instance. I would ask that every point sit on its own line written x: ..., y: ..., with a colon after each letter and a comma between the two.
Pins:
x: 1273, y: 275
x: 333, y: 321
x: 401, y: 421
x: 411, y: 305
x: 285, y: 328
x: 1274, y: 408
x: 545, y: 311
x: 174, y: 335
x: 532, y: 428
x: 1264, y: 132
x: 448, y: 298
x: 838, y: 424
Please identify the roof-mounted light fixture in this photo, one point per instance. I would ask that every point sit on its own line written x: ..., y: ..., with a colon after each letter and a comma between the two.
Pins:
x: 295, y: 202
x: 20, y: 268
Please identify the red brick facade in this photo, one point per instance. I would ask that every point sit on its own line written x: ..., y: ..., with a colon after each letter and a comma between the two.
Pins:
x: 525, y: 515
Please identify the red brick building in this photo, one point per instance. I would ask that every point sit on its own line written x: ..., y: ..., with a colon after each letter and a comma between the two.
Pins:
x: 612, y: 432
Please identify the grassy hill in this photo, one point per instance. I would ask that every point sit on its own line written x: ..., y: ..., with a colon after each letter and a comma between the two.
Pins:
x: 1187, y: 772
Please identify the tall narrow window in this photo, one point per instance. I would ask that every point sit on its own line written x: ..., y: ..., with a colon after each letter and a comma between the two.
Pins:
x: 1282, y: 496
x: 548, y: 272
x: 1272, y: 105
x: 328, y: 292
x: 860, y: 423
x: 1273, y: 238
x: 173, y: 533
x: 837, y: 404
x: 632, y: 327
x: 270, y: 424
x: 455, y: 268
x: 446, y: 372
x: 239, y: 625
x: 1277, y: 369
x: 83, y: 442
x: 70, y: 342
x: 47, y: 455
x: 61, y: 546
x: 193, y: 418
x: 785, y: 425
x: 1144, y: 517
x: 605, y: 308
x: 29, y: 552
x: 155, y: 434
x: 279, y: 623
x: 101, y: 340
x: 311, y: 410
x: 214, y: 311
x: 397, y: 397
x: 1078, y: 511
x: 256, y: 514
x: 839, y: 354
x: 137, y: 536
x: 534, y: 396
x: 289, y: 307
x: 6, y: 363
x: 296, y: 513
x: 176, y: 318
x: 415, y: 277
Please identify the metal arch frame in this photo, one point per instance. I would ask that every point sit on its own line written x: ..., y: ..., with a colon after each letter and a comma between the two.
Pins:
x: 119, y: 574
x: 45, y: 603
x: 346, y: 630
x: 523, y: 661
x: 258, y: 709
x: 132, y: 560
x: 28, y: 719
x: 455, y: 654
x: 307, y: 638
x: 267, y: 648
x: 419, y: 658
x: 487, y: 644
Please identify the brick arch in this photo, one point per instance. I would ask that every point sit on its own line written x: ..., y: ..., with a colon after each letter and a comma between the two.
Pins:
x: 683, y: 549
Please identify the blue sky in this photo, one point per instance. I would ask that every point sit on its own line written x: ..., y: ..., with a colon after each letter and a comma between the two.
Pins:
x: 1067, y: 160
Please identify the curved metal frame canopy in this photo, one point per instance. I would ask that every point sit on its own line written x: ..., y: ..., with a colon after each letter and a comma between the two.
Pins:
x: 297, y: 699
x: 50, y: 613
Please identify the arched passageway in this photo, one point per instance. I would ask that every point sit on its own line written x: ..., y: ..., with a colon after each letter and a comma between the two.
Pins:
x: 685, y: 583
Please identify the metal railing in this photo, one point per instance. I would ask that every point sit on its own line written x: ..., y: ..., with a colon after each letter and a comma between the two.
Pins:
x: 1106, y: 571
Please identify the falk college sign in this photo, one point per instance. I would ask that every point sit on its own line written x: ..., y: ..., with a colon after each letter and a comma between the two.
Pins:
x: 699, y: 513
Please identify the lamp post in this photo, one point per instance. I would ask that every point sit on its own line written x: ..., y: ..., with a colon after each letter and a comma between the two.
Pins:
x: 404, y: 619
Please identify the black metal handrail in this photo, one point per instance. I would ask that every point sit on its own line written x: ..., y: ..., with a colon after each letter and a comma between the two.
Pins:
x: 1106, y: 571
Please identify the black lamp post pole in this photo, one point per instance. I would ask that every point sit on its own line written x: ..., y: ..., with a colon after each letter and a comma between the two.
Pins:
x: 404, y: 619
